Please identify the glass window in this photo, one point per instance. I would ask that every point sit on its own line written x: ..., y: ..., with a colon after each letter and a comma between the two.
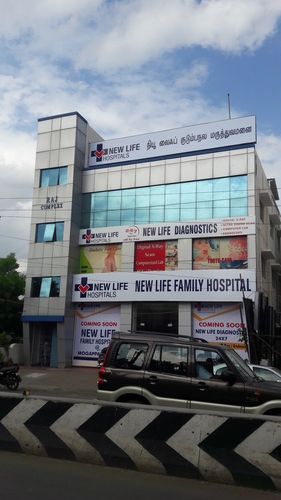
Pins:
x: 45, y: 287
x: 49, y: 232
x: 128, y: 198
x: 53, y: 176
x: 157, y: 196
x: 221, y: 197
x: 170, y: 359
x: 206, y: 199
x: 142, y: 216
x: 172, y: 213
x: 130, y: 355
x: 157, y: 214
x: 172, y: 194
x: 114, y: 200
x: 208, y: 364
x: 113, y: 218
x: 99, y: 201
x: 142, y: 197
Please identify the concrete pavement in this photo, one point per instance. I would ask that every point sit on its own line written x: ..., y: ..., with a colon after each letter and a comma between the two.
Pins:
x: 75, y: 382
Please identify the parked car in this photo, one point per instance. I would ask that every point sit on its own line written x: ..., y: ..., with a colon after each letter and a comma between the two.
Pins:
x: 266, y: 372
x: 177, y: 371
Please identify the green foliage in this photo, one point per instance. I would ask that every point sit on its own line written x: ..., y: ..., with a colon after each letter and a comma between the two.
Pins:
x: 5, y: 341
x: 12, y: 285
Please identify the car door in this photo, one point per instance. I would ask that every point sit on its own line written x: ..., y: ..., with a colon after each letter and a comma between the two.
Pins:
x: 166, y: 381
x: 209, y: 391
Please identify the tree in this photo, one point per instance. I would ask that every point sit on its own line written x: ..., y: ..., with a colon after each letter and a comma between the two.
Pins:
x: 12, y: 285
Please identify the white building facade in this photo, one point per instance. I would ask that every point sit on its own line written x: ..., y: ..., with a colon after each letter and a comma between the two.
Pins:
x: 172, y: 231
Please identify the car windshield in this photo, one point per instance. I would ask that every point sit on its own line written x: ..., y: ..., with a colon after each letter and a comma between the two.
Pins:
x: 240, y: 363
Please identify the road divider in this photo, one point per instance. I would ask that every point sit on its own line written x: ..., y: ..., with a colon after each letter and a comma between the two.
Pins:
x: 231, y: 449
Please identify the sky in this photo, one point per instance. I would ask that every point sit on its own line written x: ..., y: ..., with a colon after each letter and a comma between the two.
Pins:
x: 130, y: 67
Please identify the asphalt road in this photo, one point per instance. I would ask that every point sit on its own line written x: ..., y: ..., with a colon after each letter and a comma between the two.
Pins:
x: 24, y: 477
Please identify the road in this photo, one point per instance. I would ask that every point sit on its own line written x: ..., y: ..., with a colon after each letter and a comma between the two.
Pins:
x: 24, y: 477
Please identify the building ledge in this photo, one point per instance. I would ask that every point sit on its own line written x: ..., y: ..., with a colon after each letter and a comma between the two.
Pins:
x: 275, y: 219
x: 42, y: 319
x: 276, y: 267
x: 267, y: 254
x: 266, y: 199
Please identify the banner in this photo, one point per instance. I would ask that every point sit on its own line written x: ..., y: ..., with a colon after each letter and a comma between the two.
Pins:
x: 100, y: 259
x: 162, y: 256
x: 174, y: 142
x: 94, y: 326
x: 183, y: 286
x: 232, y: 226
x: 220, y: 323
x: 220, y: 253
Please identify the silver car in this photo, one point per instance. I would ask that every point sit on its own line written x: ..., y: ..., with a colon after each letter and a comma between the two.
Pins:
x: 266, y: 372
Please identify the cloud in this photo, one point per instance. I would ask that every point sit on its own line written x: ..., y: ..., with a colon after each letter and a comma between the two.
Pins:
x: 106, y: 36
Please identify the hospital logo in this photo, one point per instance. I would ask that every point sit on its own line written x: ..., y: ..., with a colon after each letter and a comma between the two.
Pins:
x: 99, y: 152
x: 88, y: 236
x: 83, y: 288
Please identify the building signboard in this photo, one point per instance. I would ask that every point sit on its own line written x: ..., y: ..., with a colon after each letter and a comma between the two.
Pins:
x: 220, y: 253
x: 221, y: 323
x: 100, y: 258
x: 177, y: 141
x: 232, y: 226
x: 93, y: 329
x: 156, y: 256
x: 183, y: 286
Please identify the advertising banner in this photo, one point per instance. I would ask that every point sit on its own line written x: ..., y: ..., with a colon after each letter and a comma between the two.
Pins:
x: 162, y: 256
x: 183, y: 286
x: 100, y: 258
x: 220, y: 323
x: 220, y: 253
x: 232, y: 226
x: 94, y: 326
x: 177, y: 141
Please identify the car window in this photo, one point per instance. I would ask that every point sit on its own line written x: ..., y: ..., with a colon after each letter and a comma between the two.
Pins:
x: 208, y: 364
x: 239, y: 363
x: 169, y: 359
x: 130, y: 355
x: 266, y: 374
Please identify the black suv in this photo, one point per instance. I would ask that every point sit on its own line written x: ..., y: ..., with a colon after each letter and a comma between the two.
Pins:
x: 167, y: 370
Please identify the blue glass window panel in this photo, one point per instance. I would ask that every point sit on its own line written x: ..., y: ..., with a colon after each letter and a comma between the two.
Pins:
x: 127, y: 216
x: 49, y: 177
x: 204, y: 190
x: 238, y: 207
x: 238, y: 186
x: 172, y: 194
x: 63, y: 175
x: 99, y: 201
x: 188, y: 192
x: 99, y: 219
x: 204, y: 210
x: 142, y: 197
x: 128, y: 198
x: 40, y: 231
x: 172, y: 213
x: 221, y: 188
x: 113, y: 217
x: 221, y: 209
x: 157, y: 196
x: 157, y: 214
x: 49, y: 232
x: 45, y: 287
x: 187, y: 211
x: 114, y: 200
x: 142, y: 215
x: 59, y: 231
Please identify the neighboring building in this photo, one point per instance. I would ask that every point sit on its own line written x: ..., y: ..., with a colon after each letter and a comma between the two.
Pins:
x: 167, y: 231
